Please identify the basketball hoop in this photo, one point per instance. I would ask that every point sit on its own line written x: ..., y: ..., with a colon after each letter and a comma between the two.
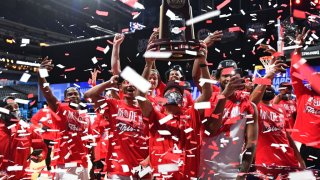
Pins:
x: 266, y: 62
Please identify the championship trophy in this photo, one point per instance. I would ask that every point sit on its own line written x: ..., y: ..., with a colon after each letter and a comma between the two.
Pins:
x: 174, y: 36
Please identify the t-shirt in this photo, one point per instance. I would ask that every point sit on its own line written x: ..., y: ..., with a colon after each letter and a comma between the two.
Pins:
x: 48, y: 119
x: 100, y: 131
x: 15, y: 148
x: 307, y: 123
x: 215, y: 88
x: 291, y: 108
x: 174, y: 145
x: 221, y: 152
x: 74, y: 125
x: 128, y: 141
x: 273, y: 148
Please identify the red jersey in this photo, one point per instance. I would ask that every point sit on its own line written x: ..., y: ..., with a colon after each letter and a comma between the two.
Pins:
x: 175, y: 144
x: 291, y: 108
x: 308, y: 113
x: 215, y: 88
x: 74, y: 125
x: 220, y: 152
x: 48, y: 119
x: 100, y: 131
x: 128, y: 142
x: 273, y: 139
x: 15, y: 148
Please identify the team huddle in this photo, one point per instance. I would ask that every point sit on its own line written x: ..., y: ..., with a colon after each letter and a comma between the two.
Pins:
x: 238, y: 128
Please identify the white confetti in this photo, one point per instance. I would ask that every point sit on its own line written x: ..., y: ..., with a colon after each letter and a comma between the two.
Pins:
x: 21, y: 101
x: 307, y: 175
x: 25, y: 77
x: 188, y: 130
x: 105, y: 51
x: 202, y: 105
x: 157, y: 55
x: 72, y: 164
x: 5, y: 111
x: 135, y: 79
x: 140, y: 98
x: 202, y: 17
x: 94, y: 60
x: 15, y: 168
x: 170, y: 14
x: 165, y: 119
x: 60, y: 66
x: 164, y: 132
x: 125, y: 168
x: 168, y: 168
x: 192, y: 53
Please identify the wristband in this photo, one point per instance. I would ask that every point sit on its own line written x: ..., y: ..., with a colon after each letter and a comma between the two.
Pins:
x: 203, y: 65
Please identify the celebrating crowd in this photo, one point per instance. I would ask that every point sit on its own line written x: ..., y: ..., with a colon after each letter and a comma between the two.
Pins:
x: 237, y: 128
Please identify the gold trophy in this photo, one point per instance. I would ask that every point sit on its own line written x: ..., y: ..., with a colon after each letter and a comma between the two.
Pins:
x: 174, y: 36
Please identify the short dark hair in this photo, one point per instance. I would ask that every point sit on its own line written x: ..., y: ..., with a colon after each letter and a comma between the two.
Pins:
x: 66, y: 90
x: 225, y: 64
x: 176, y: 68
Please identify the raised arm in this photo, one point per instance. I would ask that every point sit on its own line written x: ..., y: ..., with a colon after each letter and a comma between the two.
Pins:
x: 95, y: 92
x: 250, y: 145
x: 297, y: 83
x: 209, y: 41
x: 215, y: 121
x: 146, y: 106
x: 115, y: 57
x: 44, y: 86
x: 202, y: 62
x: 257, y: 94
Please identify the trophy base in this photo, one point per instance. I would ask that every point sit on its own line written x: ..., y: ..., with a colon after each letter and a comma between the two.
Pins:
x: 181, y: 50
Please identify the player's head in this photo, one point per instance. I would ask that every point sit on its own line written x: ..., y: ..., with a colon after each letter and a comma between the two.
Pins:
x: 128, y: 89
x: 175, y: 73
x: 72, y: 94
x: 13, y: 114
x: 173, y: 93
x: 226, y: 69
x: 154, y: 78
x: 269, y: 94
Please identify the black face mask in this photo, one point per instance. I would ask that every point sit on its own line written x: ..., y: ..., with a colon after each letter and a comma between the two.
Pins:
x: 268, y: 95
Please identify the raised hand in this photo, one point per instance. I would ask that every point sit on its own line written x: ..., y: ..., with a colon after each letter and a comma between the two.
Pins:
x: 213, y: 37
x: 267, y: 48
x: 300, y: 37
x: 204, y: 52
x: 235, y: 83
x: 277, y: 66
x: 118, y: 39
x: 46, y: 64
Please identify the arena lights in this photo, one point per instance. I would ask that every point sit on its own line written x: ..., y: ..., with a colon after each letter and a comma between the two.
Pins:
x: 297, y: 1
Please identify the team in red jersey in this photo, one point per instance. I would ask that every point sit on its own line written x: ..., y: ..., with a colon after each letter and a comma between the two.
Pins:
x: 127, y: 138
x: 17, y: 141
x: 45, y: 119
x: 175, y: 137
x: 286, y: 100
x: 164, y: 134
x: 229, y: 146
x: 308, y: 110
x: 71, y: 149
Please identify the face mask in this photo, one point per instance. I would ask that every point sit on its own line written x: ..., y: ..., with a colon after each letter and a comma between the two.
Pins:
x: 268, y: 95
x: 173, y: 98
